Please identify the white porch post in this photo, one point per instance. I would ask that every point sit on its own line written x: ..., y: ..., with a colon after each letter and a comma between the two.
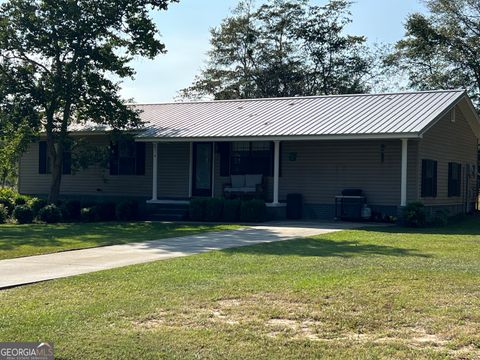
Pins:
x: 155, y: 172
x: 190, y: 172
x: 276, y: 171
x: 403, y: 188
x: 213, y: 169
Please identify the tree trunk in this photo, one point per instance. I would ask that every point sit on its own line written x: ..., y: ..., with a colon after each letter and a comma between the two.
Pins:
x: 56, y: 156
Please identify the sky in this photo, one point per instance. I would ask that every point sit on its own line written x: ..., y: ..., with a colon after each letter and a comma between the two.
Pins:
x: 185, y: 26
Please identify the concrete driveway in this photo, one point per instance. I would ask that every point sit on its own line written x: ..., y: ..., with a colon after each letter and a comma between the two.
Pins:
x: 31, y: 269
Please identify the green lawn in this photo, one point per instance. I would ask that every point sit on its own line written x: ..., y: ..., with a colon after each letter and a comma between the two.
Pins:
x: 366, y: 294
x: 25, y: 240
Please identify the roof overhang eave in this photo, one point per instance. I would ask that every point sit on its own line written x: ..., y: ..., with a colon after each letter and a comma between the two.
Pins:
x: 283, y: 138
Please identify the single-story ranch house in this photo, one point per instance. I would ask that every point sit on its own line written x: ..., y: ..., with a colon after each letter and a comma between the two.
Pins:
x: 397, y: 148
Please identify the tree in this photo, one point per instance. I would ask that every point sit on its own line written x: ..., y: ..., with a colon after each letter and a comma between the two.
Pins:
x: 283, y: 48
x: 440, y: 50
x: 63, y: 57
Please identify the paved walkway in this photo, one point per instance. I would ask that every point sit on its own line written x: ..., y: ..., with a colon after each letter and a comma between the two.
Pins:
x: 31, y: 269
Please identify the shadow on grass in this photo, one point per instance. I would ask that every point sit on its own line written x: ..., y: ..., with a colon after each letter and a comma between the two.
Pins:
x: 319, y: 247
x: 95, y: 234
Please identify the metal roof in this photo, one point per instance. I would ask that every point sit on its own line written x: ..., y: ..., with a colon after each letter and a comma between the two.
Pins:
x: 367, y: 115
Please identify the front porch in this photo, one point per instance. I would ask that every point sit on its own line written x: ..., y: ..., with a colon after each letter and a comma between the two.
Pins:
x: 319, y: 170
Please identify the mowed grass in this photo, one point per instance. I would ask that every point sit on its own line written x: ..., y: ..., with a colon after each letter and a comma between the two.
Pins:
x: 378, y: 293
x: 35, y: 239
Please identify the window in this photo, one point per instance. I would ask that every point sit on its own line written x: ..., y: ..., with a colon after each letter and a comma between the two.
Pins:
x: 45, y: 162
x: 127, y: 158
x: 454, y: 179
x: 251, y: 158
x: 429, y: 178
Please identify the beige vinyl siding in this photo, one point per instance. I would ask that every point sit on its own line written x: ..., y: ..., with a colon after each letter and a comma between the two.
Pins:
x: 322, y: 169
x: 446, y: 142
x: 95, y: 180
x: 173, y: 174
x: 173, y: 170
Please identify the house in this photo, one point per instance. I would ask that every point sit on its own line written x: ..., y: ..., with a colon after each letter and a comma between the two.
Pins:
x: 397, y: 148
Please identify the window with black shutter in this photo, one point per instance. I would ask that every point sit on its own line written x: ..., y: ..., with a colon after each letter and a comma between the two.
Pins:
x: 45, y: 163
x: 127, y: 158
x: 429, y: 178
x: 251, y: 158
x: 454, y: 179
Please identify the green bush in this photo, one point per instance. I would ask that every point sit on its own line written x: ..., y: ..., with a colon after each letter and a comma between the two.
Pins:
x: 414, y: 215
x: 196, y: 210
x: 127, y: 210
x: 440, y: 218
x: 23, y: 214
x: 87, y: 214
x: 3, y: 214
x: 7, y: 199
x: 71, y: 210
x: 105, y: 211
x: 253, y: 211
x: 21, y: 200
x: 36, y: 204
x: 213, y: 209
x: 231, y: 210
x: 50, y: 214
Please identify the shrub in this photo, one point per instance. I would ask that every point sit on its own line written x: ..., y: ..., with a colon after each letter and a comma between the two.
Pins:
x: 7, y: 199
x: 3, y: 214
x: 21, y: 200
x: 127, y: 210
x: 213, y: 209
x: 23, y: 214
x: 440, y: 218
x: 231, y: 210
x: 71, y: 210
x: 253, y: 211
x: 50, y: 214
x: 196, y: 209
x: 36, y: 204
x: 87, y: 214
x: 105, y: 211
x: 414, y: 215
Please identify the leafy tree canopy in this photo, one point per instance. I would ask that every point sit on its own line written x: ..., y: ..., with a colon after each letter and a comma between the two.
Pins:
x: 283, y: 48
x: 60, y: 59
x: 440, y: 50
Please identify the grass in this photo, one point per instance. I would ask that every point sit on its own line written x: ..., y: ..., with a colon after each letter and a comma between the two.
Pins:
x: 378, y: 293
x: 35, y: 239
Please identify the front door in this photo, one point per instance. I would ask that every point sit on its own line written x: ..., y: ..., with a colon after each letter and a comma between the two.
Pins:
x: 202, y: 169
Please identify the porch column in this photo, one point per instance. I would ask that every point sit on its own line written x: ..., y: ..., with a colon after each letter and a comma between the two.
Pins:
x: 190, y: 172
x: 213, y: 169
x: 276, y: 171
x: 403, y: 187
x: 155, y: 172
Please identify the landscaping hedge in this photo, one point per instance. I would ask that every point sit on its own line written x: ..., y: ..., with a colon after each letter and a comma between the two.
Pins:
x: 196, y: 210
x: 213, y: 209
x: 50, y: 214
x: 23, y: 214
x: 3, y: 214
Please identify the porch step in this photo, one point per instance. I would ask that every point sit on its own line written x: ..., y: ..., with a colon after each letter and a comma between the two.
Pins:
x: 169, y: 212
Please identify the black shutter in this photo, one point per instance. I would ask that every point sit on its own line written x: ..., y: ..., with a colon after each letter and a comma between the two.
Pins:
x: 224, y: 150
x: 113, y: 158
x: 67, y: 163
x: 42, y: 157
x: 424, y: 178
x: 434, y: 180
x: 140, y: 158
